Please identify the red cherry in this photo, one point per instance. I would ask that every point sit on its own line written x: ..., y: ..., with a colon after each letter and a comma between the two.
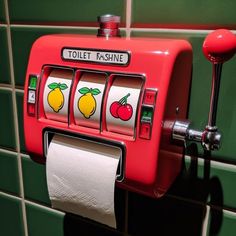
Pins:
x: 125, y: 112
x: 114, y: 108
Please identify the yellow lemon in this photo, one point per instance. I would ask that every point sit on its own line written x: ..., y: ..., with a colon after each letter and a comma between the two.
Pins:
x: 87, y: 105
x: 56, y: 99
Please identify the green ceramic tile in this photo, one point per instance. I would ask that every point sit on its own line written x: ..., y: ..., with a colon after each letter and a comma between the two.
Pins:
x: 225, y: 175
x: 200, y: 93
x: 43, y: 221
x: 7, y: 134
x: 67, y: 12
x: 220, y: 186
x: 34, y: 178
x: 222, y: 223
x: 11, y: 223
x: 226, y: 115
x: 19, y: 102
x: 184, y: 13
x: 4, y: 58
x: 22, y: 40
x: 9, y: 177
x: 2, y: 11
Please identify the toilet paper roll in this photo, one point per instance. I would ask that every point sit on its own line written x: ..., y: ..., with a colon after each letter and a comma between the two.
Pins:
x: 81, y: 177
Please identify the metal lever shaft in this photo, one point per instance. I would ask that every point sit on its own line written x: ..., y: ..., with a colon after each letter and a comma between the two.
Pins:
x: 215, y: 89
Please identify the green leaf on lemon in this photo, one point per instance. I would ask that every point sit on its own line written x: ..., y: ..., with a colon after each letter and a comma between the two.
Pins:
x: 63, y: 86
x: 84, y: 90
x: 95, y: 91
x: 53, y: 85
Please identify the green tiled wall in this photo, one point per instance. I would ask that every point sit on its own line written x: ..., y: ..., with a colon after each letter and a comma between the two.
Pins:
x: 228, y: 226
x: 4, y: 61
x: 71, y: 12
x: 43, y: 221
x: 35, y: 186
x: 184, y: 13
x: 9, y: 180
x: 202, y: 201
x: 7, y: 135
x: 2, y: 11
x: 19, y: 102
x: 11, y: 216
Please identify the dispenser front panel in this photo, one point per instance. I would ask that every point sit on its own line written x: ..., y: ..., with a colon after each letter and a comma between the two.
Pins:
x: 132, y: 105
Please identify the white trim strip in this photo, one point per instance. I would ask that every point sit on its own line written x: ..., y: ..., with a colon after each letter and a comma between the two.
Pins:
x: 53, y: 26
x: 10, y: 196
x: 128, y: 17
x: 229, y: 213
x: 10, y: 88
x: 167, y: 30
x: 6, y: 88
x: 217, y: 164
x: 205, y: 222
x: 44, y: 207
x: 8, y: 151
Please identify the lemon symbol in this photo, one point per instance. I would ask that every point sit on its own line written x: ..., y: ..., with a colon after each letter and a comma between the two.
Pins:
x: 87, y: 103
x: 55, y: 96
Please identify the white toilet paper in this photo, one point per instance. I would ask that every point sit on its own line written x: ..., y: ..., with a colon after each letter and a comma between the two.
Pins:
x: 81, y: 177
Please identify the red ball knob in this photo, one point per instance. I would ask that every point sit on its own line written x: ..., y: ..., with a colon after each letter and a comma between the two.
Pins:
x: 219, y: 46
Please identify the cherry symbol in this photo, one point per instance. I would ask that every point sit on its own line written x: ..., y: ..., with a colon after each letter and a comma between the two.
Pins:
x: 125, y: 112
x: 121, y: 109
x: 114, y: 108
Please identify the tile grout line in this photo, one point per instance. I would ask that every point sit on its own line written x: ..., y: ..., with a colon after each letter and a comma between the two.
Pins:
x: 218, y: 164
x: 54, y: 26
x: 8, y: 151
x: 6, y: 88
x: 48, y: 208
x: 170, y: 30
x: 128, y: 17
x: 10, y: 88
x: 9, y: 195
x: 127, y: 27
x: 10, y: 52
x: 31, y: 203
x: 206, y: 221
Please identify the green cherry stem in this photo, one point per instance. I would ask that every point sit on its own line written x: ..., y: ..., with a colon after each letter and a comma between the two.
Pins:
x: 124, y: 99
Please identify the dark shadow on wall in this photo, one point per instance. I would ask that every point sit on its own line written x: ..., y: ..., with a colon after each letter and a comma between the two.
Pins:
x: 183, y: 209
x: 206, y: 189
x: 216, y: 200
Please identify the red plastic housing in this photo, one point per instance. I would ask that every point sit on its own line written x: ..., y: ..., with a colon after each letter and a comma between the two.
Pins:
x: 150, y: 165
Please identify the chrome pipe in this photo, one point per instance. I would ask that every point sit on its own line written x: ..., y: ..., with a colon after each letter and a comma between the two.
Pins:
x: 215, y: 89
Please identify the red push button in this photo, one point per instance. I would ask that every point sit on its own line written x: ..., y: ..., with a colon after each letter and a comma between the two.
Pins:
x: 31, y: 109
x: 149, y: 96
x: 145, y: 130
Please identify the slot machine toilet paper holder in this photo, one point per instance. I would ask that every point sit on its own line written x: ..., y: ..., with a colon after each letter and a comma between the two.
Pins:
x: 139, y: 88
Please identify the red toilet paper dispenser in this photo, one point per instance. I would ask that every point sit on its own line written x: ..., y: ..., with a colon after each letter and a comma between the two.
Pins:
x: 131, y: 93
